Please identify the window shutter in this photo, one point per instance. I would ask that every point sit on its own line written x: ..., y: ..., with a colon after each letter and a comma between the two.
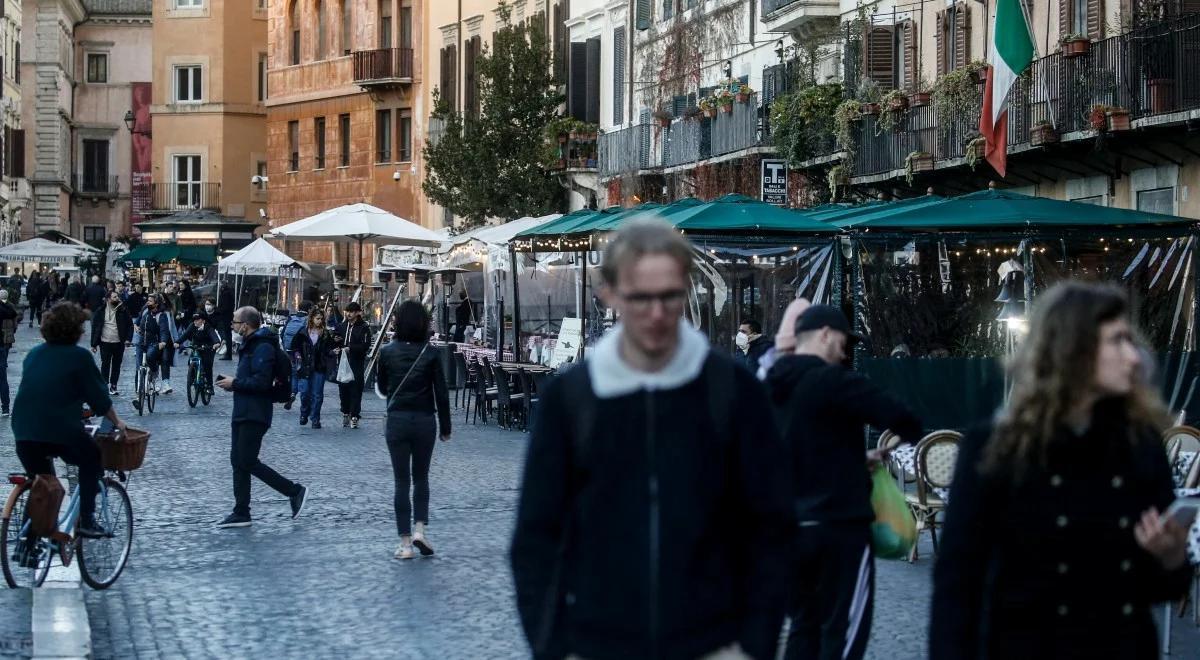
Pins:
x: 645, y: 151
x: 770, y: 85
x: 577, y: 82
x: 643, y: 15
x: 880, y: 55
x: 678, y: 105
x: 7, y: 151
x: 1064, y: 17
x: 941, y: 42
x: 476, y: 53
x: 593, y: 81
x: 618, y: 95
x: 469, y: 78
x: 962, y: 36
x: 910, y: 56
x: 1095, y: 19
x: 18, y: 151
x: 560, y: 51
x: 452, y: 60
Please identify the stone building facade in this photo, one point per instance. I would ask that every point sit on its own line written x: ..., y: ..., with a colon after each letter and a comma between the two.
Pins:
x: 14, y: 188
x: 342, y: 111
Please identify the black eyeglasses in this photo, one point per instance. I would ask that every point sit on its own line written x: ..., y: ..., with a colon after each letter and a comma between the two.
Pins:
x: 644, y: 301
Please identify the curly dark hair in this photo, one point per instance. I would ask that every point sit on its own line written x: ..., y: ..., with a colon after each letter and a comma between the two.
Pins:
x: 63, y: 324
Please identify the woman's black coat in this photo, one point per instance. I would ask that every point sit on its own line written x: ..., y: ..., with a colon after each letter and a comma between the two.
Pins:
x: 317, y: 357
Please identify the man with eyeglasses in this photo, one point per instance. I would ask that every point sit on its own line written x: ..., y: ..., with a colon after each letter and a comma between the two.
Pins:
x: 252, y: 410
x: 650, y: 525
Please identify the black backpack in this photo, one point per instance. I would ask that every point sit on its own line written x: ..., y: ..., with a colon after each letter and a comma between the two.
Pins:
x: 281, y: 377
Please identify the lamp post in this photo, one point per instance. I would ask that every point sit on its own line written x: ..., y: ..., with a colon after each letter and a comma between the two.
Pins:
x: 131, y: 124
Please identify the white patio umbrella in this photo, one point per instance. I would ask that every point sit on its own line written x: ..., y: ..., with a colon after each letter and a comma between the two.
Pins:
x: 40, y: 250
x: 359, y: 223
x: 260, y: 259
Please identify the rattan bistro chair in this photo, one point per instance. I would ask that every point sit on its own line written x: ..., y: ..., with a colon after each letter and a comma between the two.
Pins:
x: 935, y: 460
x: 888, y: 441
x: 1179, y: 439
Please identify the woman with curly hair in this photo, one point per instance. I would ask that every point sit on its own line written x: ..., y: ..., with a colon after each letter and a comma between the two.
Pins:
x: 1054, y: 542
x: 59, y: 377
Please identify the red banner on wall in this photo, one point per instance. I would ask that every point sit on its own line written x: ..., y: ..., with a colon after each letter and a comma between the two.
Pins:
x: 140, y: 165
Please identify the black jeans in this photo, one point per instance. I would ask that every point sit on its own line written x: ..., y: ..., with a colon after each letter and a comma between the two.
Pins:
x: 36, y: 458
x: 243, y: 455
x: 833, y: 592
x: 111, y: 355
x: 351, y: 393
x: 410, y: 440
x: 4, y: 376
x: 35, y: 311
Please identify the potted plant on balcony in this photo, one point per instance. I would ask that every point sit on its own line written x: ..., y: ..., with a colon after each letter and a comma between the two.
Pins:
x: 917, y: 161
x: 869, y: 96
x: 1074, y: 45
x: 692, y: 113
x: 1118, y: 118
x: 1162, y: 93
x: 977, y: 70
x: 1042, y: 133
x: 724, y: 99
x: 839, y: 175
x: 743, y: 93
x: 663, y: 118
x: 843, y: 122
x: 891, y: 109
x: 1096, y: 117
x: 920, y: 97
x: 708, y: 105
x: 957, y: 100
x: 975, y: 151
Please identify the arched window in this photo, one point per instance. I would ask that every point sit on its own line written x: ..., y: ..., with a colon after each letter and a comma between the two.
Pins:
x: 322, y: 42
x: 294, y: 28
x: 346, y: 44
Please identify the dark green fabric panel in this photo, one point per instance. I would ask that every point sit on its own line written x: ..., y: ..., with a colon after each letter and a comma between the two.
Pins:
x: 946, y: 393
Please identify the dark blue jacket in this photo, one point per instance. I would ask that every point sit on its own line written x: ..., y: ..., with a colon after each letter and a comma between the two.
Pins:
x: 255, y: 374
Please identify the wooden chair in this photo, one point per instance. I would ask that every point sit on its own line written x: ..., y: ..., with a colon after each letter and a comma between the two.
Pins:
x: 936, y: 456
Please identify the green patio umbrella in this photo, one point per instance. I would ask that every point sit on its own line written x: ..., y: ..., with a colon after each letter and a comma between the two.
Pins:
x: 739, y: 213
x: 1001, y: 208
x: 864, y: 216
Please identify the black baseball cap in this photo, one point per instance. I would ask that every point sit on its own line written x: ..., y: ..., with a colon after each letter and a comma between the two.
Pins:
x: 826, y: 316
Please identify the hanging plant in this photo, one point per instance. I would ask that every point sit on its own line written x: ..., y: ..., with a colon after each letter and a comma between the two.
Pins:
x: 843, y: 123
x: 802, y: 122
x: 957, y: 99
x: 975, y: 151
x: 891, y: 109
x: 917, y: 161
x: 708, y: 105
x: 839, y: 175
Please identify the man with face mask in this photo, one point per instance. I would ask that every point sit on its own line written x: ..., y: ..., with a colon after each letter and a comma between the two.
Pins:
x: 752, y: 343
x: 822, y: 407
x: 112, y: 329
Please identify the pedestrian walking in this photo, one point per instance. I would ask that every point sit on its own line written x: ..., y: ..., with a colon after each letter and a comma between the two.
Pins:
x: 205, y: 340
x: 1054, y: 544
x: 410, y: 373
x: 136, y: 301
x: 252, y: 411
x: 335, y: 318
x: 312, y: 349
x: 294, y: 325
x: 822, y: 407
x: 10, y: 319
x: 36, y: 292
x: 74, y: 291
x: 112, y: 330
x: 752, y: 343
x: 95, y: 295
x: 58, y: 378
x: 187, y: 300
x: 224, y: 317
x: 464, y: 315
x: 354, y: 338
x: 651, y: 523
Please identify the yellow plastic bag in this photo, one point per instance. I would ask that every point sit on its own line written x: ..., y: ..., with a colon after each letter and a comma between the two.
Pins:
x: 894, y: 531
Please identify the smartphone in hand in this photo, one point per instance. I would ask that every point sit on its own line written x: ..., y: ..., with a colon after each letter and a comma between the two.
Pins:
x: 1184, y: 510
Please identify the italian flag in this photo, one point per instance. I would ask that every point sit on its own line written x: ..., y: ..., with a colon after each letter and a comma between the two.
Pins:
x: 1011, y: 53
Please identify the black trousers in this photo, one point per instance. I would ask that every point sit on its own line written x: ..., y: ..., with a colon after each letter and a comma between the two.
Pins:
x: 224, y: 328
x: 351, y: 393
x: 410, y: 440
x: 111, y: 355
x: 36, y: 458
x: 833, y: 593
x: 35, y: 311
x: 243, y: 455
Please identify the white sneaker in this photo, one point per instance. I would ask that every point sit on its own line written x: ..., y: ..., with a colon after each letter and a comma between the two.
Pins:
x: 420, y: 541
x: 404, y: 551
x: 165, y: 387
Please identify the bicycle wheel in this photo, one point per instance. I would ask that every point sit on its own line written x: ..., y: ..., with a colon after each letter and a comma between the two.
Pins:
x: 205, y: 393
x: 151, y: 393
x: 193, y: 390
x: 141, y: 391
x: 12, y: 548
x: 102, y: 560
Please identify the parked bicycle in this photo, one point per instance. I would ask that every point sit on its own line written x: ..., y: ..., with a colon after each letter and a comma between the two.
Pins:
x: 26, y: 562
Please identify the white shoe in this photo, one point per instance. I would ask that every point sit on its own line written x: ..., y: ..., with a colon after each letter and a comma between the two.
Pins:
x: 420, y: 541
x: 404, y: 551
x: 165, y: 387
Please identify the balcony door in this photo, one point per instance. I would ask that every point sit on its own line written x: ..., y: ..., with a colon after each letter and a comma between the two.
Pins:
x: 187, y: 181
x: 95, y: 166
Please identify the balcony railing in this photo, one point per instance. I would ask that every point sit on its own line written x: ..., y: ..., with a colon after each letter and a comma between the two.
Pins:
x: 93, y: 185
x: 1152, y: 71
x: 576, y: 153
x: 383, y: 66
x: 769, y: 6
x: 626, y: 150
x: 185, y: 196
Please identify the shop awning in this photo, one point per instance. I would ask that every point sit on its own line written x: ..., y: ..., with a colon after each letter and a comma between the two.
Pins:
x: 190, y: 255
x: 1001, y: 208
x: 739, y: 213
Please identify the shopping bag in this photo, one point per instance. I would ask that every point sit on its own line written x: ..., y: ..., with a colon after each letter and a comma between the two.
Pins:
x: 894, y: 531
x: 344, y: 373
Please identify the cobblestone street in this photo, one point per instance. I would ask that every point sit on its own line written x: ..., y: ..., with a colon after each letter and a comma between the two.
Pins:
x: 325, y: 584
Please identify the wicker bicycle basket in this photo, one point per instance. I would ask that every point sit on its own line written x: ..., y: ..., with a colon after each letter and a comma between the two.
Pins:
x: 127, y: 453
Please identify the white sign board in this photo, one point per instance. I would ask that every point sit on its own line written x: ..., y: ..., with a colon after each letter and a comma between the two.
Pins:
x: 570, y: 338
x: 774, y: 182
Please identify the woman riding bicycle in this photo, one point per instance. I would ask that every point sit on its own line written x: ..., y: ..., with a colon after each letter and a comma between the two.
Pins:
x: 59, y: 378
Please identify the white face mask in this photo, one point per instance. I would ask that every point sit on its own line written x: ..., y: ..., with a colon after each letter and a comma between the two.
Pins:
x: 742, y: 340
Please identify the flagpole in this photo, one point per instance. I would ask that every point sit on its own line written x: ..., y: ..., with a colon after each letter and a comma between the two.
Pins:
x: 1037, y: 56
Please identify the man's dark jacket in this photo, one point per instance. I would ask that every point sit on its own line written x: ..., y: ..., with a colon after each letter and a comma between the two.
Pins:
x: 356, y: 338
x: 255, y: 375
x: 134, y: 304
x: 677, y: 534
x: 75, y: 293
x: 124, y: 325
x: 758, y: 348
x: 94, y: 296
x: 822, y: 409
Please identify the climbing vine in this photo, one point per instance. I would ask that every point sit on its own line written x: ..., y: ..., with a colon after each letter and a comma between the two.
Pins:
x: 672, y: 62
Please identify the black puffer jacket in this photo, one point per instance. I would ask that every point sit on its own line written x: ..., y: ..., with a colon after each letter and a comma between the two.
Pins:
x: 424, y: 390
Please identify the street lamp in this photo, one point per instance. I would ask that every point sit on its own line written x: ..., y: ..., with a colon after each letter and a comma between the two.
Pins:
x: 779, y: 50
x: 727, y: 69
x: 131, y: 124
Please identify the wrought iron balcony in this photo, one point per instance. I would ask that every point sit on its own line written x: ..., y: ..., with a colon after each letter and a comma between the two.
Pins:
x: 184, y: 196
x: 787, y: 15
x: 383, y: 67
x: 93, y: 185
x: 626, y: 151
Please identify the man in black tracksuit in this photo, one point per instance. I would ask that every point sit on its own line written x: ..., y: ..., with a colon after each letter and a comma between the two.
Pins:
x: 355, y: 337
x: 652, y: 523
x: 822, y: 407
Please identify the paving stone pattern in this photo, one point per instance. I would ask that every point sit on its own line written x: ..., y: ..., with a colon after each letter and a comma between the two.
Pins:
x: 326, y: 584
